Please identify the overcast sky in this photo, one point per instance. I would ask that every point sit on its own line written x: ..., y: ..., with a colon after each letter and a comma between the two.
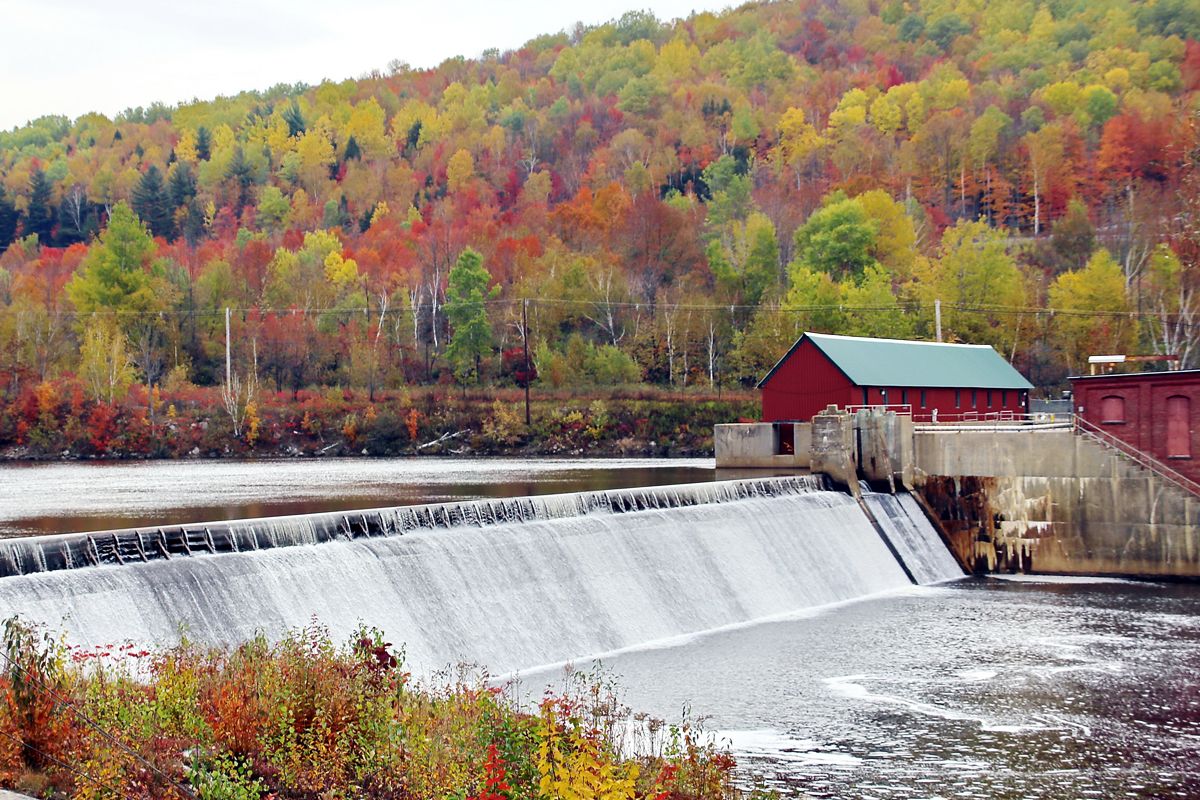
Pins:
x: 75, y: 56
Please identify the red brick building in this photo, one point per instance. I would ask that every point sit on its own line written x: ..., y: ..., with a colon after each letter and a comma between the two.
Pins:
x: 953, y: 381
x: 1155, y: 412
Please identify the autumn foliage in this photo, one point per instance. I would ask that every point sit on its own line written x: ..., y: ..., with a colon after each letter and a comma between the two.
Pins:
x: 640, y: 202
x: 303, y: 719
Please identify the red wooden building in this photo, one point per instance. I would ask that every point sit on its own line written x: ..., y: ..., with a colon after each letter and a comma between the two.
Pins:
x: 953, y: 381
x: 1154, y: 412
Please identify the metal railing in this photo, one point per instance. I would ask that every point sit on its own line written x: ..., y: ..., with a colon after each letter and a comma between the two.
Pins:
x: 926, y: 418
x: 1008, y: 419
x: 1013, y: 421
x: 903, y: 409
x: 1141, y: 458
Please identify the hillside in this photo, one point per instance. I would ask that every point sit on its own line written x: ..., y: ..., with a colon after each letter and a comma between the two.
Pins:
x: 668, y: 203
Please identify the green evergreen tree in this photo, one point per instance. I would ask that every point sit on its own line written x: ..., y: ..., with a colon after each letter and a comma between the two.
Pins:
x: 294, y: 119
x: 353, y: 151
x: 113, y: 277
x: 193, y: 222
x: 471, y: 332
x: 182, y: 185
x: 152, y: 203
x: 241, y: 172
x: 119, y: 276
x: 39, y: 217
x: 203, y: 144
x: 8, y: 221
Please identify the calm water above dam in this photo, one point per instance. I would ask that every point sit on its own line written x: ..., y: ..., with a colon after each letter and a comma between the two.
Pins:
x: 64, y: 498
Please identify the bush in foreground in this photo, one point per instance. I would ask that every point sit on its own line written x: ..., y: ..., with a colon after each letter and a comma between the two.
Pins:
x: 304, y: 718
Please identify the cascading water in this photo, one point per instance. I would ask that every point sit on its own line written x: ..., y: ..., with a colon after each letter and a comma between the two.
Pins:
x: 912, y: 537
x: 506, y: 583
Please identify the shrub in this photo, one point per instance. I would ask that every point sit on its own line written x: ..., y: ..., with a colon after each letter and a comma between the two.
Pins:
x: 304, y: 718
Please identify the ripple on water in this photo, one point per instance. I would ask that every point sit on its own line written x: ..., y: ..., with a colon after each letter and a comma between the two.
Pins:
x: 980, y: 689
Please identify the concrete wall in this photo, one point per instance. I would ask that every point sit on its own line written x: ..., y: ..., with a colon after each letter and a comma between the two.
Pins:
x: 755, y: 445
x: 1054, y: 502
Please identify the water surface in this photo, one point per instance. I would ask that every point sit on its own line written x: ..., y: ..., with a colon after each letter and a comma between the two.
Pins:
x: 982, y: 688
x: 64, y: 498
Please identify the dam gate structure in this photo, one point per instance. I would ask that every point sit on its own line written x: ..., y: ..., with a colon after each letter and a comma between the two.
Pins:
x: 1031, y: 494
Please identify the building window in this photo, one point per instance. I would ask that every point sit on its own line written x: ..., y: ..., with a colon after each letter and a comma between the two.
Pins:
x: 1112, y: 409
x: 989, y: 398
x: 1004, y: 398
x: 883, y: 396
x: 974, y: 399
x: 923, y: 403
x: 1179, y: 427
x: 866, y: 397
x: 958, y: 398
x: 904, y: 397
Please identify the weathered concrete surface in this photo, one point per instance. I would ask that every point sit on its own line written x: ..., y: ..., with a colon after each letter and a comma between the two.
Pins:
x: 1054, y: 502
x: 6, y: 795
x: 750, y: 445
x: 885, y: 448
x: 833, y: 450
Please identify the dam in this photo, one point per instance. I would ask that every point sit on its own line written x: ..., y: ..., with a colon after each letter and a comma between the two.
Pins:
x: 825, y: 635
x: 511, y: 583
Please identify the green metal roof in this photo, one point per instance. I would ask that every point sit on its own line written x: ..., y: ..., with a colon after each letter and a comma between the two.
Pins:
x: 897, y: 362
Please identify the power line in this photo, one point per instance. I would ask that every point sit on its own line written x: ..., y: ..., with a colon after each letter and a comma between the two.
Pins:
x: 515, y: 303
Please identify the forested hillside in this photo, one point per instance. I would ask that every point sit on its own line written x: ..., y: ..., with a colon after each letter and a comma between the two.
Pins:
x: 667, y: 203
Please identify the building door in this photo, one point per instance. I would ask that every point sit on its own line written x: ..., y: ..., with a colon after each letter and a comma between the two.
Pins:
x: 1179, y: 433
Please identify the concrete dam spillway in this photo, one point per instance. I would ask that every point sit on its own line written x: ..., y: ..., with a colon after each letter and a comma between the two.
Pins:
x: 510, y: 584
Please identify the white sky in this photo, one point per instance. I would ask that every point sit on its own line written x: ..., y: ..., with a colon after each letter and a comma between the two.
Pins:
x: 75, y: 56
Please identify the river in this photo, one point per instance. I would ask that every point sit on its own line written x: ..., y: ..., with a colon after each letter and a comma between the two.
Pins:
x: 1000, y: 688
x: 44, y: 498
x: 996, y: 688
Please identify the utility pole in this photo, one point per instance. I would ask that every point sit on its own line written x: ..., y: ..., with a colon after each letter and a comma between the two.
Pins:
x: 525, y: 340
x: 937, y: 318
x: 228, y: 359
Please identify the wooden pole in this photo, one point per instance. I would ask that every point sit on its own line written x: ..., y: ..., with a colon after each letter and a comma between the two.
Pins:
x: 525, y: 339
x: 937, y: 318
x: 228, y: 360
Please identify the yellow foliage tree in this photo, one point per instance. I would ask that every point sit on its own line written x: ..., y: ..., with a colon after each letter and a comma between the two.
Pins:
x: 1095, y: 310
x: 460, y: 169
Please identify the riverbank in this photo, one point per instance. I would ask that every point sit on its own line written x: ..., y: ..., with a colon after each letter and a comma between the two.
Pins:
x: 57, y: 421
x: 306, y: 718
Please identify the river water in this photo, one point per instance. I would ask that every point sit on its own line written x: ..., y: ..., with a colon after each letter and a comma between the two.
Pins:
x: 980, y: 688
x: 69, y: 497
x: 997, y: 688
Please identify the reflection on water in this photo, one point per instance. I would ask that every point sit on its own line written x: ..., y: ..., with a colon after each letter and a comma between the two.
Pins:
x: 63, y: 498
x: 983, y: 688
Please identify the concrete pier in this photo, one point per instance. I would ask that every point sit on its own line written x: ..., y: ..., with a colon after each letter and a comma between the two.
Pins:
x: 1007, y: 497
x: 1054, y: 502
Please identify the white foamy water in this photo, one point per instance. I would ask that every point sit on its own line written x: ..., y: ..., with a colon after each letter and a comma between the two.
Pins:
x: 912, y: 536
x: 572, y: 579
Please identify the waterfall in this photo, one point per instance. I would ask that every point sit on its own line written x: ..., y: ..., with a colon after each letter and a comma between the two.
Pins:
x: 506, y: 583
x: 912, y: 536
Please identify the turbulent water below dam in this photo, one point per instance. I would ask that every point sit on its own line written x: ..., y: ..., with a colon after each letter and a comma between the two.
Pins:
x: 838, y: 656
x: 982, y: 688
